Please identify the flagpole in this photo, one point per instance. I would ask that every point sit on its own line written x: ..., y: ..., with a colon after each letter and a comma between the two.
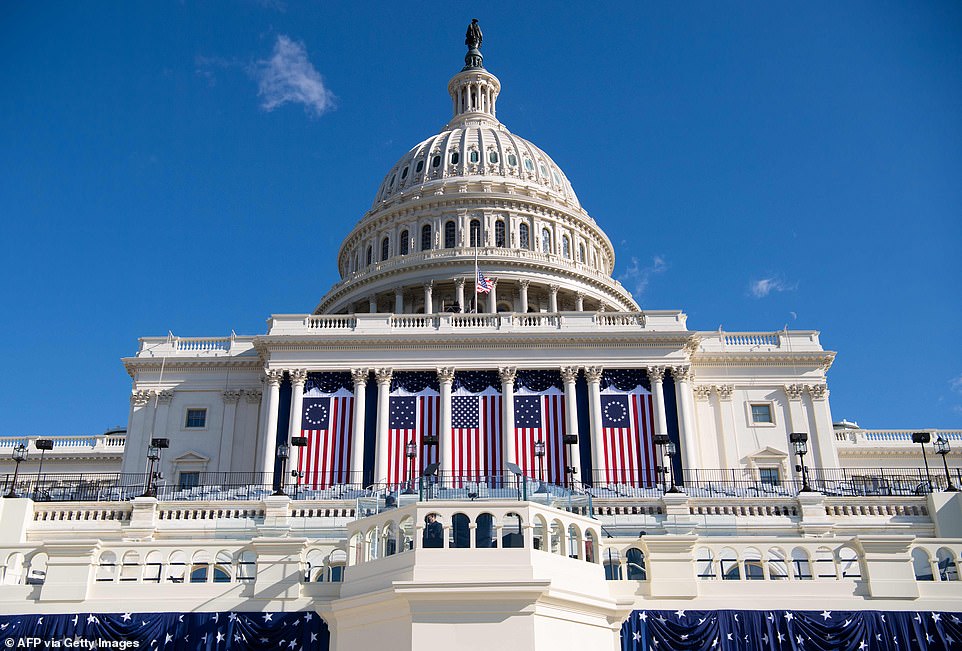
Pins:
x: 476, y: 278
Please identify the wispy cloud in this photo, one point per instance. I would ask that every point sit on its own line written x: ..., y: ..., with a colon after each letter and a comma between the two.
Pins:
x: 288, y: 76
x: 636, y: 277
x: 765, y: 286
x: 956, y: 384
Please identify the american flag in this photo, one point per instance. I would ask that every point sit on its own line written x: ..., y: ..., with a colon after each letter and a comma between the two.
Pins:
x: 541, y: 417
x: 627, y: 428
x: 476, y: 435
x: 327, y: 422
x: 411, y: 418
x: 483, y: 284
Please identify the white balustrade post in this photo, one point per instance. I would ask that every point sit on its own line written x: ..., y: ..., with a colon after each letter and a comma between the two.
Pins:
x: 599, y: 469
x: 298, y: 378
x: 383, y: 376
x: 508, y: 374
x: 359, y: 375
x: 446, y: 451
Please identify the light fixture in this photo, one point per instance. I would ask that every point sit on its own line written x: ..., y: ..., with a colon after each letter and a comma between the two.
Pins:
x: 922, y: 438
x: 799, y: 441
x: 942, y: 447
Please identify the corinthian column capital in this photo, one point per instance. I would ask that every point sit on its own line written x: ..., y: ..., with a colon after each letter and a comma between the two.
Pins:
x: 383, y: 375
x: 656, y: 373
x: 446, y: 375
x: 682, y: 373
x: 593, y: 373
x: 231, y: 397
x: 274, y: 376
x: 140, y: 398
x: 298, y: 376
x: 569, y: 374
x: 507, y: 373
x: 359, y: 375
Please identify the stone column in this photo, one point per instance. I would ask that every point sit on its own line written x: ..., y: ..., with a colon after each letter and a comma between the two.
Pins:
x: 553, y: 299
x: 569, y: 375
x: 359, y: 375
x: 227, y: 436
x: 251, y: 426
x: 493, y: 298
x: 523, y: 295
x: 598, y: 468
x: 399, y: 300
x: 656, y: 375
x: 298, y: 378
x: 269, y: 435
x: 446, y: 451
x: 508, y: 374
x: 686, y: 410
x: 459, y: 293
x: 135, y: 448
x: 372, y: 303
x: 383, y: 376
x: 727, y: 440
x: 580, y: 301
x: 428, y: 298
x: 825, y: 454
x: 161, y: 423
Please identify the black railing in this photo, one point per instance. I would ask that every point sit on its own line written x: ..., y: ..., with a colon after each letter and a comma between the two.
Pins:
x: 720, y: 483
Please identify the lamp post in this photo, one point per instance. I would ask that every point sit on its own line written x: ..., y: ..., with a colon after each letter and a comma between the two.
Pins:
x: 539, y: 453
x: 43, y: 445
x: 297, y: 442
x: 411, y: 450
x: 661, y: 440
x: 670, y: 451
x: 943, y: 448
x: 799, y: 441
x: 283, y: 453
x: 570, y: 440
x: 922, y: 438
x: 153, y: 456
x: 19, y: 455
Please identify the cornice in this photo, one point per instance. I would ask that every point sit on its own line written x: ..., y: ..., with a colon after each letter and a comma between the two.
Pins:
x: 134, y: 364
x: 822, y: 359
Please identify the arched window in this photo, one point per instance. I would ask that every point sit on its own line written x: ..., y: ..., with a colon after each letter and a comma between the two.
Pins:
x: 404, y: 173
x: 455, y: 158
x: 222, y: 567
x: 475, y: 232
x: 153, y: 567
x: 130, y: 567
x: 545, y: 240
x: 612, y: 563
x: 777, y: 568
x: 499, y: 239
x: 565, y: 246
x: 426, y: 237
x: 948, y: 570
x: 728, y: 561
x: 419, y: 167
x: 247, y: 566
x: 922, y: 565
x: 107, y: 567
x: 581, y: 253
x: 460, y: 531
x: 484, y: 531
x: 528, y: 165
x: 754, y: 571
x: 474, y: 156
x: 37, y: 568
x: 524, y: 240
x: 449, y: 234
x: 801, y: 566
x: 825, y: 564
x: 511, y: 536
x: 512, y: 160
x: 493, y: 157
x: 705, y: 563
x: 370, y: 255
x: 403, y: 244
x: 199, y: 567
x: 848, y: 563
x: 436, y: 160
x: 385, y: 248
x: 636, y: 564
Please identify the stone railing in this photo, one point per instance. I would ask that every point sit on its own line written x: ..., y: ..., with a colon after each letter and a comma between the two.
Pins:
x: 109, y: 443
x: 893, y: 437
x: 381, y: 323
x: 787, y: 341
x: 173, y: 346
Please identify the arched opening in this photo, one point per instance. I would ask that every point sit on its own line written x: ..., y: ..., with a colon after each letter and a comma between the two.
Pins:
x: 106, y: 567
x: 777, y: 566
x: 403, y: 243
x: 153, y: 567
x: 450, y: 234
x: 591, y: 544
x: 370, y: 255
x: 385, y: 248
x: 460, y: 536
x: 728, y: 563
x: 426, y: 237
x: 705, y: 564
x: 511, y: 535
x: 825, y: 564
x: 752, y: 560
x: 948, y: 568
x: 545, y: 240
x: 475, y: 230
x: 922, y: 565
x: 635, y: 561
x: 801, y: 566
x: 565, y: 246
x: 199, y: 567
x: 37, y: 569
x: 433, y: 536
x: 581, y: 253
x: 484, y: 531
x: 130, y: 566
x: 176, y: 567
x: 574, y: 542
x: 612, y: 564
x: 314, y: 566
x: 222, y: 567
x: 336, y: 563
x: 246, y: 566
x: 499, y: 238
x: 848, y: 563
x: 524, y: 237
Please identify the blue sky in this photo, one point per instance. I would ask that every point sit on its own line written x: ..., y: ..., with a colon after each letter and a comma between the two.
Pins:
x: 193, y: 167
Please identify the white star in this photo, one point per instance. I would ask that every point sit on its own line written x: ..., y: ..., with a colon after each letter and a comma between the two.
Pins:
x: 684, y: 636
x: 232, y: 617
x: 847, y: 622
x: 771, y: 617
x: 220, y: 637
x: 186, y: 638
x: 180, y: 618
x: 636, y: 636
x: 237, y: 638
x: 125, y: 617
x: 680, y: 613
x: 216, y: 617
x: 949, y: 640
x: 204, y: 638
x: 714, y: 643
x: 263, y: 640
x: 143, y: 623
x: 781, y: 638
x: 878, y: 637
x: 799, y: 640
x: 736, y: 617
x: 862, y: 645
x: 936, y: 617
x: 729, y: 636
x: 826, y: 614
x: 918, y: 618
x: 268, y: 617
x: 929, y: 638
x: 168, y: 638
x: 789, y: 616
x: 92, y: 620
x: 701, y: 620
x: 74, y: 620
x: 765, y: 638
x: 643, y: 616
x: 313, y: 637
x: 292, y: 644
x: 308, y: 617
x: 956, y: 620
x: 40, y: 620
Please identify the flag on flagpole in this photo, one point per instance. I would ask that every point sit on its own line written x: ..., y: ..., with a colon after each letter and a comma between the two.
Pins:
x: 484, y: 284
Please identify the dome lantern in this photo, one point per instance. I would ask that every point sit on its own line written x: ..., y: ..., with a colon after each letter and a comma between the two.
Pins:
x: 474, y: 90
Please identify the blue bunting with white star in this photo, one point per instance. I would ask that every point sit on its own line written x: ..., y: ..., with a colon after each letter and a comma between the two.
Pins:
x: 791, y: 630
x: 224, y: 631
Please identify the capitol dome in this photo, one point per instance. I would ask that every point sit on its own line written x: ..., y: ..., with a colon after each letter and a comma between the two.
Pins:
x: 475, y: 196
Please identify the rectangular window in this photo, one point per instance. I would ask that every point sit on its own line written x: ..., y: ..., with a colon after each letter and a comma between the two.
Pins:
x: 769, y: 476
x: 196, y: 419
x: 761, y: 412
x: 188, y: 479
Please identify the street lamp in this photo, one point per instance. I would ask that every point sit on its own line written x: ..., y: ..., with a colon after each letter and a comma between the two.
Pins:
x: 298, y: 442
x: 153, y: 455
x: 799, y: 441
x: 662, y: 440
x: 411, y: 450
x: 942, y: 447
x: 570, y: 440
x: 539, y: 453
x: 43, y: 445
x: 922, y: 438
x: 670, y: 451
x: 283, y: 453
x: 19, y: 455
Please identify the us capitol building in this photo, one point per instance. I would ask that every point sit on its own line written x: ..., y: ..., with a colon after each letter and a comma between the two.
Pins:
x: 478, y: 439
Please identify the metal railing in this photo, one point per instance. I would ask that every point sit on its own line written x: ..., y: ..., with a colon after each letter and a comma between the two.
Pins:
x: 702, y: 483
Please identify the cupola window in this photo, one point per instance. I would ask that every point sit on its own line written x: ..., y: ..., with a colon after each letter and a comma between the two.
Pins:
x: 449, y: 234
x: 455, y: 158
x: 403, y: 243
x: 475, y: 232
x: 426, y: 237
x: 385, y: 248
x: 370, y: 256
x: 544, y: 170
x: 437, y: 160
x: 499, y: 239
x: 524, y: 239
x: 528, y: 165
x: 565, y: 246
x: 420, y: 166
x: 404, y: 173
x: 581, y: 253
x: 545, y: 240
x: 474, y: 157
x: 512, y: 160
x: 493, y: 157
x: 557, y: 179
